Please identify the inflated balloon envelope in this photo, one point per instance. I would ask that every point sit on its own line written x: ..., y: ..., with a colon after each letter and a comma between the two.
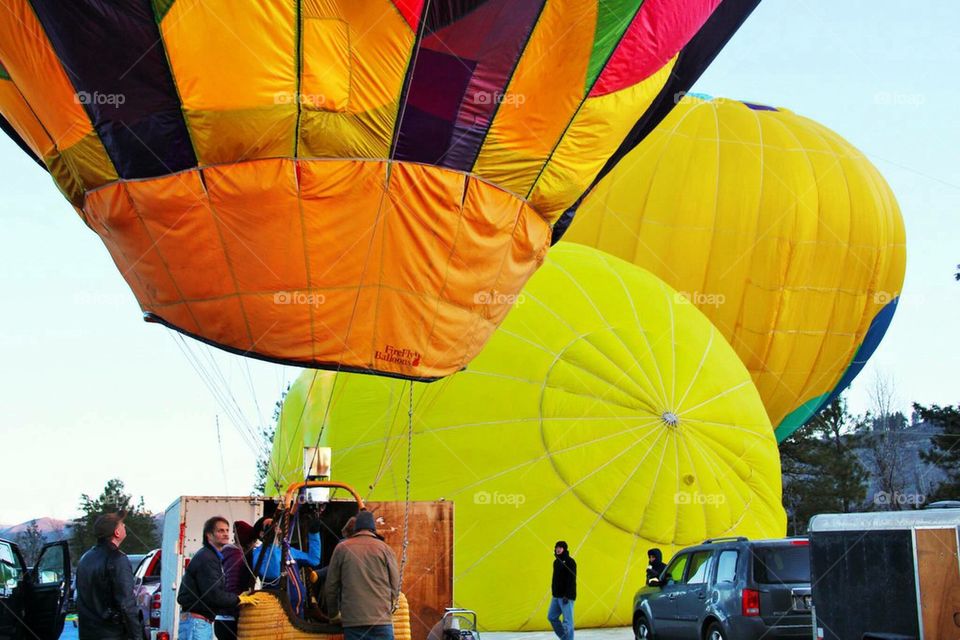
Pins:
x: 606, y: 411
x: 779, y: 230
x: 352, y: 184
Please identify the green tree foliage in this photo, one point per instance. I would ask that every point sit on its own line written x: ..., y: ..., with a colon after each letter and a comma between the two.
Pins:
x: 267, y: 433
x: 944, y: 449
x: 30, y: 541
x: 141, y: 527
x: 821, y: 472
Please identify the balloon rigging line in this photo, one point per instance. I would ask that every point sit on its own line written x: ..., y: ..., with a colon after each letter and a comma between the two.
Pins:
x: 211, y: 386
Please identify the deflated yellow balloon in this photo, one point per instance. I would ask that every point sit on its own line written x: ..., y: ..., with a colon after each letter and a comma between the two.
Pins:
x: 605, y: 411
x: 780, y: 231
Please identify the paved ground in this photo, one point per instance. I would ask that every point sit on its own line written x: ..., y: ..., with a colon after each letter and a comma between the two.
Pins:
x: 623, y: 633
x: 70, y: 633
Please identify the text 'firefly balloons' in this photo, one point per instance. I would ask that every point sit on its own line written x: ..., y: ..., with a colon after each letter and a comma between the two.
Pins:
x: 339, y: 184
x: 613, y: 416
x: 779, y: 230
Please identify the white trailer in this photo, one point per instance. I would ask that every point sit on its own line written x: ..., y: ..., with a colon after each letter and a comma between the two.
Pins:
x: 183, y: 537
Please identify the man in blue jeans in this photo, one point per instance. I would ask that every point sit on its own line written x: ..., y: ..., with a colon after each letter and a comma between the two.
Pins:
x: 202, y: 595
x: 564, y: 591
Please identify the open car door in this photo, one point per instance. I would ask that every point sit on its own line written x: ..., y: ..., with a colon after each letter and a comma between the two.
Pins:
x: 46, y: 606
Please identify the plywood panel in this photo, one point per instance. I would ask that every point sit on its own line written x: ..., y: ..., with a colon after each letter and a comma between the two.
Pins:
x: 939, y: 571
x: 428, y: 576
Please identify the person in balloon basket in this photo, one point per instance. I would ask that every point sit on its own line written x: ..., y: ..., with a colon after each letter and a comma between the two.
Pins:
x: 266, y: 563
x: 106, y: 609
x: 363, y: 583
x: 203, y: 593
x: 655, y: 567
x: 564, y: 591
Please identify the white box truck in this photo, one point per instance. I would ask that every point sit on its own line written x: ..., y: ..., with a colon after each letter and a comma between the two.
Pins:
x: 183, y: 537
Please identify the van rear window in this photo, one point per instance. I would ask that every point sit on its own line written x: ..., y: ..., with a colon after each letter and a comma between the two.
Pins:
x: 781, y: 564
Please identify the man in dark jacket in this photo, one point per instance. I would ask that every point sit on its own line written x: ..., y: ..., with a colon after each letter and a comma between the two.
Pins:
x: 655, y: 567
x: 363, y: 583
x: 202, y: 595
x: 106, y: 609
x: 564, y: 591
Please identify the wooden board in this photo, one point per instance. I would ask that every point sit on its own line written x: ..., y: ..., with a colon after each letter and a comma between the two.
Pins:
x: 938, y: 566
x: 428, y: 576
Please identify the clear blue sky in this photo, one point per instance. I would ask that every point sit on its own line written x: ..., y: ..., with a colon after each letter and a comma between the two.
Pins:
x: 89, y: 392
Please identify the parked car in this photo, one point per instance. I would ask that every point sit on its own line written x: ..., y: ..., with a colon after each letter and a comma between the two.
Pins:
x: 730, y: 588
x: 135, y: 559
x: 33, y: 602
x: 146, y: 591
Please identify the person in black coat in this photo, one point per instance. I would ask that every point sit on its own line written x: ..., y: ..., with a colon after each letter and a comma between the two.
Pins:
x: 655, y: 567
x: 106, y: 609
x: 564, y: 591
x: 203, y: 593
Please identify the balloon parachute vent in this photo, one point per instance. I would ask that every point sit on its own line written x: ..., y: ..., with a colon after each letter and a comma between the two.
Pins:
x: 670, y: 418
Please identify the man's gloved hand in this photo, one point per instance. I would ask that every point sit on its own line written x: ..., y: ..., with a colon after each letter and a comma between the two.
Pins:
x: 248, y: 599
x: 310, y: 522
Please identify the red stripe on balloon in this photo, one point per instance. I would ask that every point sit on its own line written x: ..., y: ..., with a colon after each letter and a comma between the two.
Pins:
x: 660, y: 29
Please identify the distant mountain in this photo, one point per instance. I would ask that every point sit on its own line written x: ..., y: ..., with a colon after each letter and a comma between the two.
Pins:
x: 51, y: 528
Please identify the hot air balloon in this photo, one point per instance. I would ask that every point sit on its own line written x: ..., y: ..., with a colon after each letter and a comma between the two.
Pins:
x: 613, y: 416
x: 339, y: 184
x: 778, y: 229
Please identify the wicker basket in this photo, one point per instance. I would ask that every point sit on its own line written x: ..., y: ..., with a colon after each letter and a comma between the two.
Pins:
x: 272, y: 619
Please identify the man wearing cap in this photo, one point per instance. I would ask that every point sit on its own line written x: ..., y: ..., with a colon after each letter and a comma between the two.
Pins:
x: 563, y: 588
x: 202, y: 595
x: 106, y: 609
x: 363, y: 583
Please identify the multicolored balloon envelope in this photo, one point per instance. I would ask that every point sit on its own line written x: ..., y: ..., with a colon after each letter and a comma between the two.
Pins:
x: 613, y: 416
x: 346, y: 183
x: 779, y: 230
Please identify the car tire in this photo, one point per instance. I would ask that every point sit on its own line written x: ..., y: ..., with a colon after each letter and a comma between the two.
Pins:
x: 641, y: 629
x: 715, y: 632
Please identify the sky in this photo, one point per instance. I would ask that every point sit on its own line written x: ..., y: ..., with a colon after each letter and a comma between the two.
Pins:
x: 89, y: 391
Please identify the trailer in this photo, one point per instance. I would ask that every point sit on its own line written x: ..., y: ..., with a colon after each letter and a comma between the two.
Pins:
x: 183, y: 537
x: 892, y: 575
x: 428, y: 576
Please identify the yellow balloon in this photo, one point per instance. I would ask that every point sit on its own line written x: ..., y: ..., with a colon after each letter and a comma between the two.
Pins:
x: 606, y: 411
x: 779, y: 230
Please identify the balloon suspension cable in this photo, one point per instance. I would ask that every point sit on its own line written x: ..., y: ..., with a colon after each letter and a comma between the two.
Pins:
x: 406, y: 507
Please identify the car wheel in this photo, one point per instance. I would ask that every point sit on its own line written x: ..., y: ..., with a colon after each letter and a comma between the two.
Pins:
x: 715, y: 632
x: 642, y: 630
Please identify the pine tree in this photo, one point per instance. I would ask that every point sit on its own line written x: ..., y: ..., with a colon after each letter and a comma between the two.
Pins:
x: 821, y: 472
x: 30, y: 541
x: 944, y: 451
x: 267, y: 433
x: 141, y: 527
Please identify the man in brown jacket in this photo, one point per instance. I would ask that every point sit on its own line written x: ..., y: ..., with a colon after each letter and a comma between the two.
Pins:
x: 363, y: 583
